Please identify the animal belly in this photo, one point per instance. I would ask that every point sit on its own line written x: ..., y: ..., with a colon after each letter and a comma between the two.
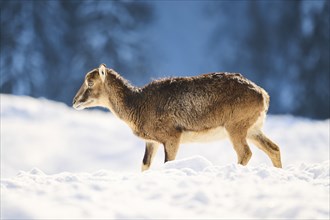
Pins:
x: 209, y: 135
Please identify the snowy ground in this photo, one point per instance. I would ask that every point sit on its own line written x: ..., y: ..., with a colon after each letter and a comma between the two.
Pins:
x: 60, y: 163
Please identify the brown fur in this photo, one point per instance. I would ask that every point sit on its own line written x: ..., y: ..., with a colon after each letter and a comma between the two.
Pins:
x: 165, y: 110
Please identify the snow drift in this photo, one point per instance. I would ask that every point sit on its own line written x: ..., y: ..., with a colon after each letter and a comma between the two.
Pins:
x: 88, y: 166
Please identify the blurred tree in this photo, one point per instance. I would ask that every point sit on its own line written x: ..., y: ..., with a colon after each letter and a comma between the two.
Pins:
x: 282, y: 45
x: 48, y: 46
x: 315, y: 65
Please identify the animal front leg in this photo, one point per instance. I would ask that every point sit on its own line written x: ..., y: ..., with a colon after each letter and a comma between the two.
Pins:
x: 151, y: 149
x: 171, y: 149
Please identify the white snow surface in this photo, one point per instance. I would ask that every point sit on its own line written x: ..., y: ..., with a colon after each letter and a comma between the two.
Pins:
x: 59, y: 163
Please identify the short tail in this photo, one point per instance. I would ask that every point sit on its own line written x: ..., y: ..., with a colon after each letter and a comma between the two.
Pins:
x: 266, y: 99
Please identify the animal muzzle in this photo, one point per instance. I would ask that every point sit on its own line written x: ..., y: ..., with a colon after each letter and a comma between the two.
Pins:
x: 76, y: 104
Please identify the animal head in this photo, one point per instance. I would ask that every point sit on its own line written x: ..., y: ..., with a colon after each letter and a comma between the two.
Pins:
x: 92, y: 91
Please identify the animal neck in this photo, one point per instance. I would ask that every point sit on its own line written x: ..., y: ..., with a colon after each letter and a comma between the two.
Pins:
x: 122, y: 97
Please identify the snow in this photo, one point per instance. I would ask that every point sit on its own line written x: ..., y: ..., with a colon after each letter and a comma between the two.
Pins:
x: 60, y: 163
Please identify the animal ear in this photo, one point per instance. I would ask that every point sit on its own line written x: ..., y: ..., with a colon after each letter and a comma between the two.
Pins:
x: 102, y: 71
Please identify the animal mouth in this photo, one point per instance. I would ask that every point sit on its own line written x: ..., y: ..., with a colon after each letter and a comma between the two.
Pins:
x: 81, y: 105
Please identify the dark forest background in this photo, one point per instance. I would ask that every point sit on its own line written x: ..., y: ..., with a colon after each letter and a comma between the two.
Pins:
x: 48, y: 46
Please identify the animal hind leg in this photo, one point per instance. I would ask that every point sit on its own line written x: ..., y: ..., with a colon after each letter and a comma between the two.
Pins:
x: 269, y: 147
x: 241, y: 147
